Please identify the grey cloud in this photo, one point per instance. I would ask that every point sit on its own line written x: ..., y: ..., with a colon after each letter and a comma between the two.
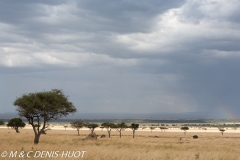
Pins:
x: 110, y: 16
x: 221, y: 11
x: 128, y: 16
x: 174, y: 56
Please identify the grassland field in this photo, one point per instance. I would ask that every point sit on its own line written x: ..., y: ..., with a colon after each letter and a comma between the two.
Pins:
x: 147, y: 145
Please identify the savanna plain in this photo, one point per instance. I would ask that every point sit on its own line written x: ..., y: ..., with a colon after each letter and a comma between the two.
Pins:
x: 146, y: 145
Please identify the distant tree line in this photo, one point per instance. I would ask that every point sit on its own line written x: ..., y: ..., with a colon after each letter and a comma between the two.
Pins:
x: 230, y: 125
x: 163, y: 122
x: 108, y: 125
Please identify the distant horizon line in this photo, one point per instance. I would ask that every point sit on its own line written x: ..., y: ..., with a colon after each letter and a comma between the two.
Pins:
x: 115, y: 115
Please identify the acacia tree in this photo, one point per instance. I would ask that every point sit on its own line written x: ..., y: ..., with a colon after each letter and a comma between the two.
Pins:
x: 120, y: 127
x: 102, y: 127
x: 41, y: 107
x: 109, y: 127
x: 204, y: 129
x: 163, y: 128
x: 78, y: 125
x: 91, y: 126
x: 184, y: 129
x: 221, y: 130
x: 65, y: 126
x: 16, y: 123
x: 152, y: 128
x: 134, y: 127
x: 143, y: 128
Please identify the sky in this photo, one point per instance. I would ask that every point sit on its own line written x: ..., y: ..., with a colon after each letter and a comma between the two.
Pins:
x: 124, y: 56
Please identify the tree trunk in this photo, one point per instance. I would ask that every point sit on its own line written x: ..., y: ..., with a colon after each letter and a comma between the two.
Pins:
x: 36, y: 139
x: 133, y: 133
x: 120, y: 134
x: 16, y: 128
x: 92, y: 130
x: 78, y: 132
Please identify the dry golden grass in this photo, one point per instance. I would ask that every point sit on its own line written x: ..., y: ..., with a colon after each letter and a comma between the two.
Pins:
x: 145, y: 145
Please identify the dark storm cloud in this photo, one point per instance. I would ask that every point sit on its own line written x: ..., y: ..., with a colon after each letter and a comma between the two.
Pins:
x: 109, y: 16
x: 19, y: 12
x: 123, y: 56
x: 128, y: 16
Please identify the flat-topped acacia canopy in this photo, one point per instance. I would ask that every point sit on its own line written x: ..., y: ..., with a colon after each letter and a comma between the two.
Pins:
x: 40, y: 107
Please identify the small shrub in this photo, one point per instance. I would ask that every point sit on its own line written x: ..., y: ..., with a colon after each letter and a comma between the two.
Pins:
x: 197, y: 156
x: 92, y: 136
x: 102, y: 136
x: 195, y: 137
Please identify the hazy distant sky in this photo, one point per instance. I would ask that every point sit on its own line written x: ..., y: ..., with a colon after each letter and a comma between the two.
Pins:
x: 126, y: 56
